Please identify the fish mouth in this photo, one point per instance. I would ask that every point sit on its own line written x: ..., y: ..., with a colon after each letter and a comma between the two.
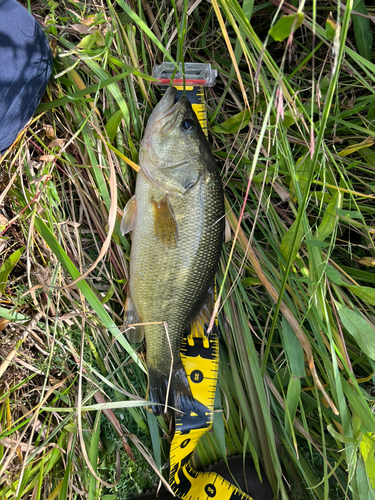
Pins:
x: 167, y: 106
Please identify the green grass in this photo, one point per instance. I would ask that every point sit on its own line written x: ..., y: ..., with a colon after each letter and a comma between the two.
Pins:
x: 291, y: 126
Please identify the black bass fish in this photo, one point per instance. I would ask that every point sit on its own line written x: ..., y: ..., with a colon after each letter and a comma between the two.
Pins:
x: 177, y: 220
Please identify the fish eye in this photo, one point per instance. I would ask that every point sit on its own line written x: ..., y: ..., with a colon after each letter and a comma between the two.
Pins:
x: 188, y: 125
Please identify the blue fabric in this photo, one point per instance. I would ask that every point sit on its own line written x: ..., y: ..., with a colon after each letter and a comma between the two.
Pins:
x: 25, y: 68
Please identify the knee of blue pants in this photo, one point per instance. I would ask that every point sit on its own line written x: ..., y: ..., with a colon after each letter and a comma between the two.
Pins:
x: 26, y: 65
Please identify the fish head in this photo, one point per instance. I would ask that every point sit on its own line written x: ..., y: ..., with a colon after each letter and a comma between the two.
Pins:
x: 171, y: 150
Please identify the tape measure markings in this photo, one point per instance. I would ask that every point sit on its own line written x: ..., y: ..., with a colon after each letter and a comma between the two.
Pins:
x: 199, y: 355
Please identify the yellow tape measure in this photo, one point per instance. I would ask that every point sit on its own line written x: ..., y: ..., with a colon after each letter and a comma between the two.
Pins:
x: 200, y: 357
x: 199, y: 353
x: 199, y: 107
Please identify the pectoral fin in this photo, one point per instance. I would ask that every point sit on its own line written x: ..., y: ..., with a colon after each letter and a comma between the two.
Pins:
x: 134, y: 333
x: 129, y: 217
x: 165, y: 225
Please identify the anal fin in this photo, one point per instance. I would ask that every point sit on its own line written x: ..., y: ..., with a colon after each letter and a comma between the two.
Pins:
x: 199, y: 324
x: 134, y: 333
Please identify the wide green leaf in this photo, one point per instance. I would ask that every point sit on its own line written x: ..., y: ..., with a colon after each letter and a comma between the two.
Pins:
x: 234, y: 124
x: 13, y: 316
x: 359, y: 328
x: 331, y: 27
x: 366, y: 293
x: 112, y: 125
x: 328, y: 223
x: 292, y: 399
x: 293, y: 350
x: 368, y: 450
x: 287, y: 247
x: 334, y: 275
x: 317, y: 243
x: 8, y: 266
x: 284, y: 26
x: 365, y: 490
x: 362, y: 30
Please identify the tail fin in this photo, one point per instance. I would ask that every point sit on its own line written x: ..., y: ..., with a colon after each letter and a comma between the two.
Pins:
x: 178, y: 391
